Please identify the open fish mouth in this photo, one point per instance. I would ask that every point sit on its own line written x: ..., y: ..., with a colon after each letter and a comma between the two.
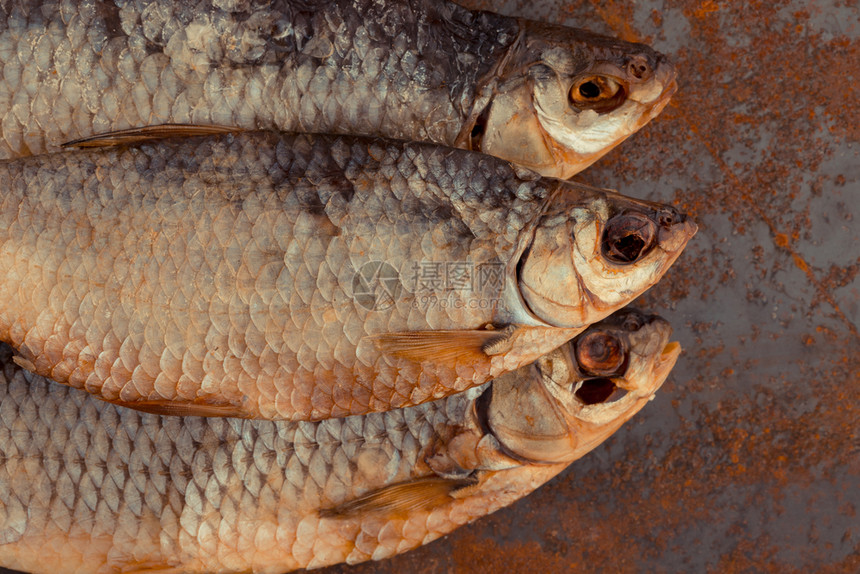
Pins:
x: 604, y: 390
x: 598, y: 391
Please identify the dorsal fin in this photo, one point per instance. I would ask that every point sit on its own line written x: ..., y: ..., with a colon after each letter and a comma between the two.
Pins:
x: 148, y: 133
x: 185, y: 409
x: 401, y: 499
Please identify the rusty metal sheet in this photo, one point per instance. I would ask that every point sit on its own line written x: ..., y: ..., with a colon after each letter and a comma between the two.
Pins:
x: 749, y: 458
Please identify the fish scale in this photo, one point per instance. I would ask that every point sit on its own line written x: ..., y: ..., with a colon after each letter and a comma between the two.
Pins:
x: 188, y: 271
x: 86, y: 486
x: 417, y: 70
x: 194, y: 64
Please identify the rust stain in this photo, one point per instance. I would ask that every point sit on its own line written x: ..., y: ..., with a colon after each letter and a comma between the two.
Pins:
x: 475, y: 554
x: 619, y: 21
x: 801, y: 264
x: 617, y: 16
x: 780, y: 239
x: 706, y: 8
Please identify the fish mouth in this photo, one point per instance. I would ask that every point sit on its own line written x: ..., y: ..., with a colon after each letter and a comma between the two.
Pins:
x: 661, y: 103
x: 667, y: 75
x: 666, y: 361
x: 670, y: 351
x: 605, y: 390
x: 690, y: 228
x: 598, y: 391
x: 669, y: 91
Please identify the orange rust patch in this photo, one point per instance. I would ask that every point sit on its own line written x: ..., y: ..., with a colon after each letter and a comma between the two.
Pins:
x: 781, y: 240
x: 618, y: 16
x: 706, y: 8
x: 800, y: 263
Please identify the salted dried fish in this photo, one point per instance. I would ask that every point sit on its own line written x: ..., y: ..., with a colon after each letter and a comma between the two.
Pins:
x: 284, y: 276
x: 547, y: 97
x: 86, y: 486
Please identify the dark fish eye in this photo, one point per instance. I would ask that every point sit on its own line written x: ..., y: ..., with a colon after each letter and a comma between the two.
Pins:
x: 627, y: 237
x: 596, y: 391
x: 600, y: 354
x: 599, y: 93
x: 589, y: 90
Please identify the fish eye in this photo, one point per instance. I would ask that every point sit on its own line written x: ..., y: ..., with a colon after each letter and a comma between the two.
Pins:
x: 627, y: 237
x: 599, y: 93
x: 596, y: 391
x: 589, y: 90
x: 600, y: 354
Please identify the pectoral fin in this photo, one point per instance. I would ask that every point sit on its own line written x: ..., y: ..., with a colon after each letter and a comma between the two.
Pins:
x: 442, y: 347
x: 402, y: 499
x: 186, y: 409
x: 148, y: 133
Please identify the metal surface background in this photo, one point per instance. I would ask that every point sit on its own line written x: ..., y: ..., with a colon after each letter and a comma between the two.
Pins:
x: 749, y: 458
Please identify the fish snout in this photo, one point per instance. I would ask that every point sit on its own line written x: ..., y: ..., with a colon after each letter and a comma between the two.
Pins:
x: 639, y: 67
x: 653, y: 80
x: 676, y: 228
x: 666, y: 73
x: 650, y: 336
x: 649, y: 350
x: 660, y: 328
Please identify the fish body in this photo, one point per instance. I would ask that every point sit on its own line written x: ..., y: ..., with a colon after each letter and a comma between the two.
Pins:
x: 548, y: 97
x: 298, y: 277
x: 86, y: 486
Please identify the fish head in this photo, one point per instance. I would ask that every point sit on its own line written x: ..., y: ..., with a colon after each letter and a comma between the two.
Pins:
x: 592, y: 252
x: 568, y: 96
x: 572, y: 399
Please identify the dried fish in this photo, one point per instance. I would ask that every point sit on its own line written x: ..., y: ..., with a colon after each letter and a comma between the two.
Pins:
x: 286, y: 276
x: 547, y: 97
x: 88, y: 486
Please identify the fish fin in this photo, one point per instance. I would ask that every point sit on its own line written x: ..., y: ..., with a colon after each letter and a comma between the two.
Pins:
x: 151, y: 568
x: 401, y: 499
x: 148, y: 133
x: 24, y: 363
x: 449, y: 347
x: 124, y: 562
x: 185, y: 409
